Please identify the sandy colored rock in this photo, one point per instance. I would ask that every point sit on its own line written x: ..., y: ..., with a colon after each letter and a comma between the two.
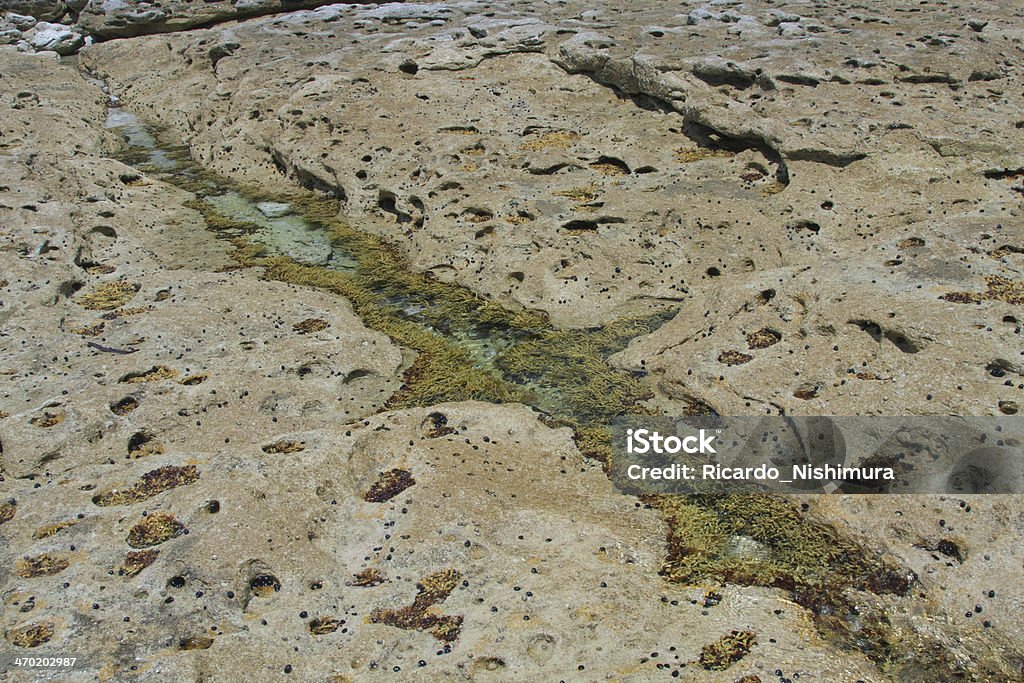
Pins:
x: 505, y: 199
x: 204, y: 466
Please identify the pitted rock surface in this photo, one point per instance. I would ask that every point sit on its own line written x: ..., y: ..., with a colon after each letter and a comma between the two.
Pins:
x: 827, y: 195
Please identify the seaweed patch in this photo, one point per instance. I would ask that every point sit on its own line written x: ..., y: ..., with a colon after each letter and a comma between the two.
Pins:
x: 389, y: 485
x: 727, y: 650
x: 433, y: 590
x: 46, y: 564
x: 32, y: 635
x: 137, y: 560
x: 154, y: 529
x: 150, y: 484
x: 154, y: 374
x: 321, y: 626
x: 108, y: 296
x: 48, y: 530
x: 7, y: 510
x: 367, y: 578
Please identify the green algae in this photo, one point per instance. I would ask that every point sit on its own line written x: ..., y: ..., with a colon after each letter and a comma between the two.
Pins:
x: 727, y: 650
x: 565, y: 373
x: 794, y: 552
x: 785, y: 548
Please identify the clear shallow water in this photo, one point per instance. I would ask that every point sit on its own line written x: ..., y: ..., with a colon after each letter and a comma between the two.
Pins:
x: 139, y: 137
x: 282, y: 232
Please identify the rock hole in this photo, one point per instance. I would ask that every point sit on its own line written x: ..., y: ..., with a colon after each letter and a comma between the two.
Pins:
x: 541, y: 648
x: 997, y: 368
x: 872, y: 328
x: 124, y: 406
x: 610, y: 166
x: 104, y: 230
x: 285, y: 446
x: 68, y: 289
x: 475, y: 215
x: 804, y: 224
x: 142, y: 444
x: 195, y: 643
x: 388, y: 202
x: 264, y: 585
x: 901, y: 342
x: 358, y: 373
x: 806, y: 392
x: 155, y: 373
x: 580, y: 226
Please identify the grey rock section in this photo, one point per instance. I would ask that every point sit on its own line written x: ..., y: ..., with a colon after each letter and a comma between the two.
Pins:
x: 122, y: 18
x: 22, y: 22
x: 9, y: 34
x: 43, y: 10
x: 63, y: 40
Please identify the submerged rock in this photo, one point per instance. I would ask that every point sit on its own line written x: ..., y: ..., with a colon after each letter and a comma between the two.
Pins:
x: 274, y: 209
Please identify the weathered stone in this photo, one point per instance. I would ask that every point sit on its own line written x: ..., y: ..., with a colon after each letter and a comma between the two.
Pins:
x: 43, y: 10
x: 121, y: 18
x: 58, y: 38
x: 22, y: 22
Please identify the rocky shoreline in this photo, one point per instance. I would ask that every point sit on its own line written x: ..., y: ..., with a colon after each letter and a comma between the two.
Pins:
x: 206, y: 470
